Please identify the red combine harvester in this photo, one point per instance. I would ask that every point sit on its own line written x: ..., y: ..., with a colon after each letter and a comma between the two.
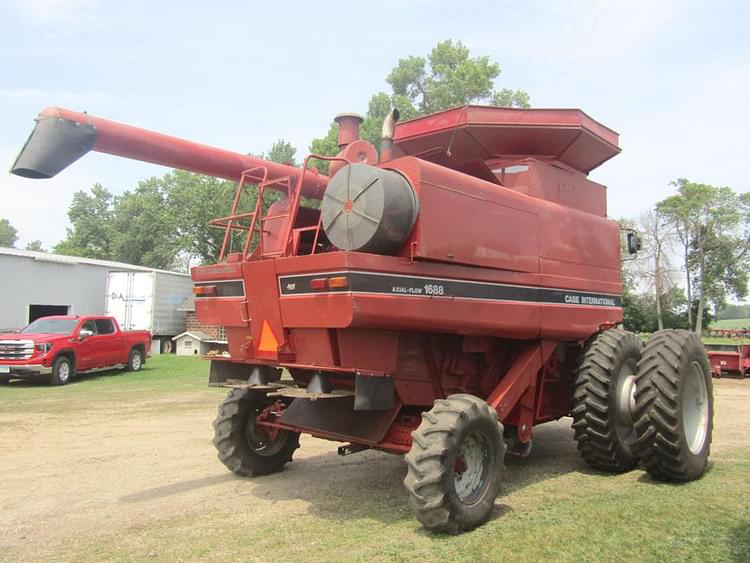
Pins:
x: 446, y: 296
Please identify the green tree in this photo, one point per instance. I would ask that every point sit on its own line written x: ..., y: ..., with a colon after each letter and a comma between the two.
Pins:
x: 8, y: 234
x: 143, y: 227
x: 91, y: 234
x: 36, y: 246
x: 712, y: 225
x: 448, y: 77
x: 164, y: 222
x: 282, y: 151
x: 194, y: 200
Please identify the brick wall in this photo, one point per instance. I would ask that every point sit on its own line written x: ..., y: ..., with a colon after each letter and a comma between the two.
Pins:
x: 214, y: 332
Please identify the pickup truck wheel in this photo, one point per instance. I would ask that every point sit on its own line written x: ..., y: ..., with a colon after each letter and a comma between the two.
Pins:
x: 135, y: 360
x: 4, y: 380
x: 62, y: 371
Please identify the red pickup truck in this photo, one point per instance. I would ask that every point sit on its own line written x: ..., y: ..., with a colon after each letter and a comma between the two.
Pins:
x: 61, y: 346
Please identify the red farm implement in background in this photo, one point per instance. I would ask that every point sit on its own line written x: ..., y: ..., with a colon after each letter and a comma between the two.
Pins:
x: 441, y: 299
x: 730, y: 358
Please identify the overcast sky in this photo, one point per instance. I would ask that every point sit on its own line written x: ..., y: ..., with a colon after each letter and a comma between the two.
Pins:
x: 673, y: 78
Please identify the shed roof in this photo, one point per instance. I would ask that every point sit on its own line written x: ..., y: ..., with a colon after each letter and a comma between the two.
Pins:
x: 73, y: 260
x: 197, y: 334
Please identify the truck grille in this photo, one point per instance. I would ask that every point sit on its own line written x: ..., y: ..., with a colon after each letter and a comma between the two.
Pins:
x: 16, y: 349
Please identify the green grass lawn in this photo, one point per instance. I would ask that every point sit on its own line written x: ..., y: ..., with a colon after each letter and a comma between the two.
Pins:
x: 579, y: 516
x: 549, y: 515
x: 731, y: 324
x: 161, y: 377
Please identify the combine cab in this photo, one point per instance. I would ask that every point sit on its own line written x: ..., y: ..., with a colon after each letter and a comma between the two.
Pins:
x: 439, y: 300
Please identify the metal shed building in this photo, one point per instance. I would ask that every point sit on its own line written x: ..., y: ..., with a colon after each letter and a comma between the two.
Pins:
x: 36, y: 284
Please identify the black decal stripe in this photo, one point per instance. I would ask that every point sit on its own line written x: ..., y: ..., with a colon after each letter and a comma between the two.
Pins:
x: 391, y: 284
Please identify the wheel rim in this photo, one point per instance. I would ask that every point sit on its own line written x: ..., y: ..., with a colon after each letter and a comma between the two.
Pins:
x: 63, y: 372
x: 695, y: 408
x: 625, y: 403
x: 471, y: 468
x: 259, y: 438
x: 136, y: 363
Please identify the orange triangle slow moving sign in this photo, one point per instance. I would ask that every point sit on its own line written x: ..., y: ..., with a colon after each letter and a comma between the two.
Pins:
x: 268, y: 342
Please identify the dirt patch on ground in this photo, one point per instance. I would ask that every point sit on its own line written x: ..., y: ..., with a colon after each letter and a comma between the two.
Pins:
x: 68, y: 480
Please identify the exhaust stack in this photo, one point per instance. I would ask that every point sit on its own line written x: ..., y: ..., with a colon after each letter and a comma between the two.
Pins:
x: 61, y: 137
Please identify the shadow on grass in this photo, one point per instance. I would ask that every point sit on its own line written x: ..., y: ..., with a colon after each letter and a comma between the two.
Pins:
x: 177, y: 488
x: 647, y: 479
x: 369, y: 484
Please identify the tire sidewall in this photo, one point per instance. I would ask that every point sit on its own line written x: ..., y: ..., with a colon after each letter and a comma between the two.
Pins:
x: 474, y: 514
x: 696, y: 463
x: 630, y: 351
x: 56, y: 367
x: 131, y: 359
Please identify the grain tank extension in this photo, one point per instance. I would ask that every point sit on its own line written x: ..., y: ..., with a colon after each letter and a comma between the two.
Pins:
x: 442, y: 299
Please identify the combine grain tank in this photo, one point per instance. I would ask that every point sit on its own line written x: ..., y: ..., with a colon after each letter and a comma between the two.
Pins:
x: 446, y: 296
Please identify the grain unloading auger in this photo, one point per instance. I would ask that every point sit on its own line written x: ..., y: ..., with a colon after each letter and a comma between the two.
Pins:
x: 450, y: 294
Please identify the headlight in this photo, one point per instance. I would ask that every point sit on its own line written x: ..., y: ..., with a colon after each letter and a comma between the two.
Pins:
x: 43, y: 348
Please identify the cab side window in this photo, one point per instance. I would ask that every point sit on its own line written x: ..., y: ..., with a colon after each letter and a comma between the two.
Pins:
x: 89, y: 325
x: 104, y: 326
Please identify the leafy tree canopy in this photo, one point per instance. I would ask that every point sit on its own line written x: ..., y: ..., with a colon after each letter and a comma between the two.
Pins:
x: 713, y: 225
x: 164, y: 222
x: 36, y: 246
x: 449, y: 76
x: 8, y: 234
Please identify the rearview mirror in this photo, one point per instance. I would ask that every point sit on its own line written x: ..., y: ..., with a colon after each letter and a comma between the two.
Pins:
x: 85, y: 333
x: 634, y: 243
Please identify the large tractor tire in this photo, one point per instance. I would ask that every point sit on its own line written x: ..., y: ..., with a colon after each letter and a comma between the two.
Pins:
x: 674, y: 406
x: 244, y: 448
x: 603, y: 401
x: 455, y: 464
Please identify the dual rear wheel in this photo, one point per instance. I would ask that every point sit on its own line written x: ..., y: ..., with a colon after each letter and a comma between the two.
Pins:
x: 652, y: 404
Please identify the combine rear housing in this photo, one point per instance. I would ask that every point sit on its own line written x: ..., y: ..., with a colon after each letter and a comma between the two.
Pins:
x: 446, y: 297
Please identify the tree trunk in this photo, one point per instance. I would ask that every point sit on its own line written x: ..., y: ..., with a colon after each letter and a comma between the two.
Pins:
x: 657, y: 288
x: 689, y: 292
x: 702, y: 294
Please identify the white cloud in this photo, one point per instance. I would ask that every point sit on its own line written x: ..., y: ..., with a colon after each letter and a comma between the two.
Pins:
x: 46, y: 11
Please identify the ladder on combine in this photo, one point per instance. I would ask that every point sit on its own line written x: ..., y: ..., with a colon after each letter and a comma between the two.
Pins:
x: 256, y: 222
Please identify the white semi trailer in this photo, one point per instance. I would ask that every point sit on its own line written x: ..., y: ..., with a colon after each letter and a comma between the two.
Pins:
x: 150, y: 301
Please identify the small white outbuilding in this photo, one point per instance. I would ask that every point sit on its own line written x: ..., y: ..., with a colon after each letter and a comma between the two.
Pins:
x: 195, y: 342
x: 189, y: 343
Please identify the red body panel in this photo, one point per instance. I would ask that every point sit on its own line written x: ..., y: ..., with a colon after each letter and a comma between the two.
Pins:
x: 728, y: 358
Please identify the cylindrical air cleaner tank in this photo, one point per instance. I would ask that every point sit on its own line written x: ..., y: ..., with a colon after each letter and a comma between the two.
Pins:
x: 368, y: 209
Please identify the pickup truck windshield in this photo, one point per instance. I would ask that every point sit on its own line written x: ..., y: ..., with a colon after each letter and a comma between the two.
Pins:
x: 51, y: 326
